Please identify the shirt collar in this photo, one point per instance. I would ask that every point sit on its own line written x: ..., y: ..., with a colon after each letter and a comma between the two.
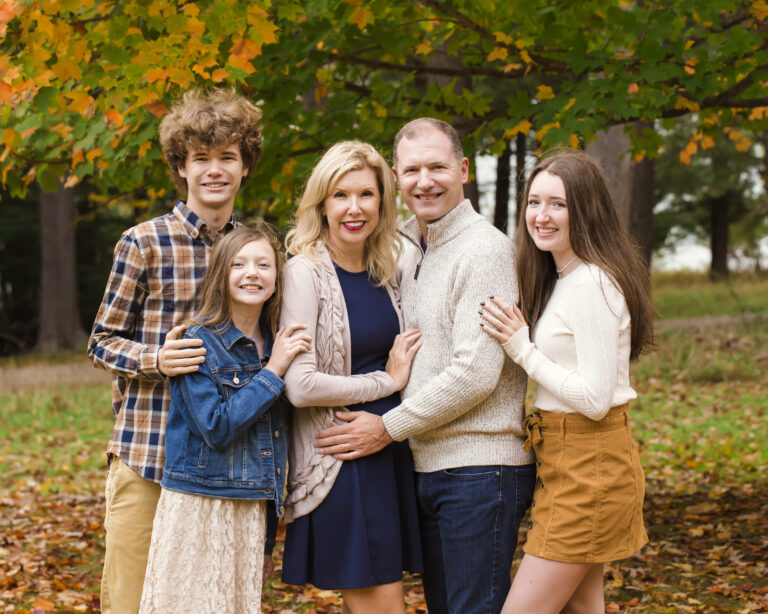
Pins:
x: 195, y: 226
x: 440, y: 231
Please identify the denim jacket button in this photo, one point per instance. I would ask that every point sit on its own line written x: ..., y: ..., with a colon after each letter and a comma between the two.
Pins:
x: 278, y: 471
x: 277, y: 434
x: 236, y: 380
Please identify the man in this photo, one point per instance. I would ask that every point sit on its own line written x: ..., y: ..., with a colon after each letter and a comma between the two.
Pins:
x: 210, y: 142
x: 462, y: 410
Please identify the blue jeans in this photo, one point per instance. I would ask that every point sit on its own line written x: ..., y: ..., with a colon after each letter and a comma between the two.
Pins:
x: 469, y: 522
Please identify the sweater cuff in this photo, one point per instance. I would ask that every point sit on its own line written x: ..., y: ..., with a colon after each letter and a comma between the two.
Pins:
x: 516, y: 343
x: 395, y: 423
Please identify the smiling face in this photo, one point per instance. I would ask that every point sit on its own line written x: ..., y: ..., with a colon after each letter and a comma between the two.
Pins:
x: 352, y: 212
x: 252, y: 278
x: 546, y: 217
x: 213, y: 178
x: 429, y: 175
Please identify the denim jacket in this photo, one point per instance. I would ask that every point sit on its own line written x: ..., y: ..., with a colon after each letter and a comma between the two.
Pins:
x: 226, y: 435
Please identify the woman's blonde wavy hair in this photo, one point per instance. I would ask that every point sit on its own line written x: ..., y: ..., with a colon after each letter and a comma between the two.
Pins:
x: 383, y: 246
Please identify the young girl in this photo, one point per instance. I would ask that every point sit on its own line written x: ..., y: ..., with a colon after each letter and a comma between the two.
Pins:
x: 226, y: 439
x: 584, y: 294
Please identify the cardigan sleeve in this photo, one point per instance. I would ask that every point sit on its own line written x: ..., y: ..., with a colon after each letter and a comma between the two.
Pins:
x: 305, y: 384
x: 593, y: 313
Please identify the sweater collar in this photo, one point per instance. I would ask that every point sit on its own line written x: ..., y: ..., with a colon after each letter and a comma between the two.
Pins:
x: 453, y: 223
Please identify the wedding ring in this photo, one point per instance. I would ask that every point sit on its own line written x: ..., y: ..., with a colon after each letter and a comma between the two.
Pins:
x: 346, y: 447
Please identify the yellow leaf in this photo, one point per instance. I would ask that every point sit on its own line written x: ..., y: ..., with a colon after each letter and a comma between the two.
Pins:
x: 66, y: 69
x: 287, y: 170
x: 511, y: 67
x: 43, y: 604
x: 145, y: 147
x: 498, y: 53
x: 685, y: 157
x: 544, y: 92
x: 423, y: 48
x: 684, y: 103
x: 379, y: 109
x: 571, y: 102
x: 639, y: 157
x: 114, y: 115
x: 759, y: 9
x: 321, y: 91
x: 501, y: 37
x: 743, y: 144
x: 219, y: 75
x: 707, y: 142
x: 93, y: 154
x: 11, y: 137
x: 524, y: 127
x: 573, y: 141
x: 102, y: 164
x: 80, y: 101
x: 758, y: 113
x: 546, y: 128
x: 195, y: 27
x: 156, y: 74
x: 361, y: 17
x: 633, y: 88
x: 72, y: 181
x: 191, y: 10
x: 526, y: 57
x: 77, y: 157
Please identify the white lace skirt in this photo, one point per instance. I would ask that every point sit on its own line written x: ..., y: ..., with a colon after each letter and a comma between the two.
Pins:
x: 206, y: 556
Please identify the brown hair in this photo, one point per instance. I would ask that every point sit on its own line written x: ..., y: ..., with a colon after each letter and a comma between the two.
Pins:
x: 597, y: 237
x: 418, y: 126
x: 214, y: 296
x: 207, y: 120
x: 382, y: 247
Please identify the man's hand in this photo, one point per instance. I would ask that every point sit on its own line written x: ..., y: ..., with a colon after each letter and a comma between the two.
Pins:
x: 178, y: 356
x: 363, y: 434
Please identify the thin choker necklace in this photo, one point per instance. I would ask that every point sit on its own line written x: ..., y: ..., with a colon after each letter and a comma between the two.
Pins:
x: 566, y: 265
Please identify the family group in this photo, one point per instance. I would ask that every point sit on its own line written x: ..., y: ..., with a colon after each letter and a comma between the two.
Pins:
x: 369, y: 389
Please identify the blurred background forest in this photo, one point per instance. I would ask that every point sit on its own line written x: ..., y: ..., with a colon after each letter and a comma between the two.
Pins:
x: 671, y: 97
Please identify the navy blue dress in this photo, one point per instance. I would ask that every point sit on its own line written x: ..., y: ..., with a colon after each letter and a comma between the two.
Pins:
x: 366, y: 531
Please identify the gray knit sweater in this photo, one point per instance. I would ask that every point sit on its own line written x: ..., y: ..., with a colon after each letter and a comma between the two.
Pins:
x: 463, y: 404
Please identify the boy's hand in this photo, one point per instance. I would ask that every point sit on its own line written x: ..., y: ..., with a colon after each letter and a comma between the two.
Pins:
x: 178, y: 356
x: 285, y: 348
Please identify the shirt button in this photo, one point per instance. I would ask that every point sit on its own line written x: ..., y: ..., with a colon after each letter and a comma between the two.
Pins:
x: 277, y: 434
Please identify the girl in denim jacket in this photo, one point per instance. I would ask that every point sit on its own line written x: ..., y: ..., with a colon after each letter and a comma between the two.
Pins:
x: 226, y: 440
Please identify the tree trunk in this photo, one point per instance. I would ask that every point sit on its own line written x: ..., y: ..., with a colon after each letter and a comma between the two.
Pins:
x: 611, y: 150
x: 718, y: 229
x: 60, y: 325
x: 641, y: 206
x: 501, y: 209
x: 520, y: 143
x: 631, y: 185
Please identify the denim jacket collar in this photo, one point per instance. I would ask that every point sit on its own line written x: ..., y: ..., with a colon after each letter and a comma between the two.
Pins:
x: 230, y: 335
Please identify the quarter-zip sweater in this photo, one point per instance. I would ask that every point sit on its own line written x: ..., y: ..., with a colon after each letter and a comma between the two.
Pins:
x: 464, y: 402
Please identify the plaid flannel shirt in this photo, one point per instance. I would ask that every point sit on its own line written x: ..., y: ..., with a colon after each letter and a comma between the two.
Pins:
x: 156, y: 274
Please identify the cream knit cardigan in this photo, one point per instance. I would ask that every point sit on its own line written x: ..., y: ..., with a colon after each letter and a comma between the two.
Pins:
x: 463, y: 404
x: 319, y: 382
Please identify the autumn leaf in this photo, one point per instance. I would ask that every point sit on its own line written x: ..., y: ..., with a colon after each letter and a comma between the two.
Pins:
x: 498, y: 53
x: 544, y: 92
x: 361, y: 17
x: 524, y: 127
x: 156, y: 74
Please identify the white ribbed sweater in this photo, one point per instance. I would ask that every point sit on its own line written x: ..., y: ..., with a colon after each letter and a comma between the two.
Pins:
x: 580, y: 350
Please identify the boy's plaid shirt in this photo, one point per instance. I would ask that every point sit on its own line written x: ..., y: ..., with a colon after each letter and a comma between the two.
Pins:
x: 156, y: 275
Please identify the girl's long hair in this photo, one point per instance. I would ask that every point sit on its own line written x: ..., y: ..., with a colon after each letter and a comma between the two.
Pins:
x: 597, y: 237
x: 215, y: 298
x: 383, y: 246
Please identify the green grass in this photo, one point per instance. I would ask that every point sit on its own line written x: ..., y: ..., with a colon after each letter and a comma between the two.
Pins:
x: 693, y: 295
x: 56, y: 438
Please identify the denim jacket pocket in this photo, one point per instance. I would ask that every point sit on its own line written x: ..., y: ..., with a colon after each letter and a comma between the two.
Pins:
x: 232, y: 379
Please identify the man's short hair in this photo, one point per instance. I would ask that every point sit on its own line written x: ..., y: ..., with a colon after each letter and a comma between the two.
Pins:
x: 418, y: 126
x: 207, y: 120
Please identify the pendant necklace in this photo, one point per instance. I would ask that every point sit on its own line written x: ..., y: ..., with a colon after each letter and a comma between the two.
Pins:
x: 566, y: 265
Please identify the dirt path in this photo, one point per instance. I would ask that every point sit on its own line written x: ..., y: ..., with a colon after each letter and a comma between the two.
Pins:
x: 81, y: 373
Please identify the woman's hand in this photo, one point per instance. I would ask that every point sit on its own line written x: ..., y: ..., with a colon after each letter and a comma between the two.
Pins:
x: 401, y: 356
x: 285, y: 348
x: 501, y: 320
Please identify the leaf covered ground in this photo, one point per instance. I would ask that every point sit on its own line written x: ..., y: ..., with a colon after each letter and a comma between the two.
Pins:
x: 700, y: 422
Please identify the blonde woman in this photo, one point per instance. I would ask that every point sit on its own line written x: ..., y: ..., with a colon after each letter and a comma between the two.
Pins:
x: 353, y: 525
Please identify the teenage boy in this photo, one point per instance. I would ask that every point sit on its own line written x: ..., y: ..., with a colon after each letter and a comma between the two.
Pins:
x: 462, y: 410
x: 210, y: 141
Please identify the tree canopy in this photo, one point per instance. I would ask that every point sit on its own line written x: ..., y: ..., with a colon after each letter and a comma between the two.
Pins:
x: 84, y: 82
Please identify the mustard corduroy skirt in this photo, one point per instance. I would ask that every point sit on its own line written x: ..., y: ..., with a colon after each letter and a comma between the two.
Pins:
x: 588, y: 503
